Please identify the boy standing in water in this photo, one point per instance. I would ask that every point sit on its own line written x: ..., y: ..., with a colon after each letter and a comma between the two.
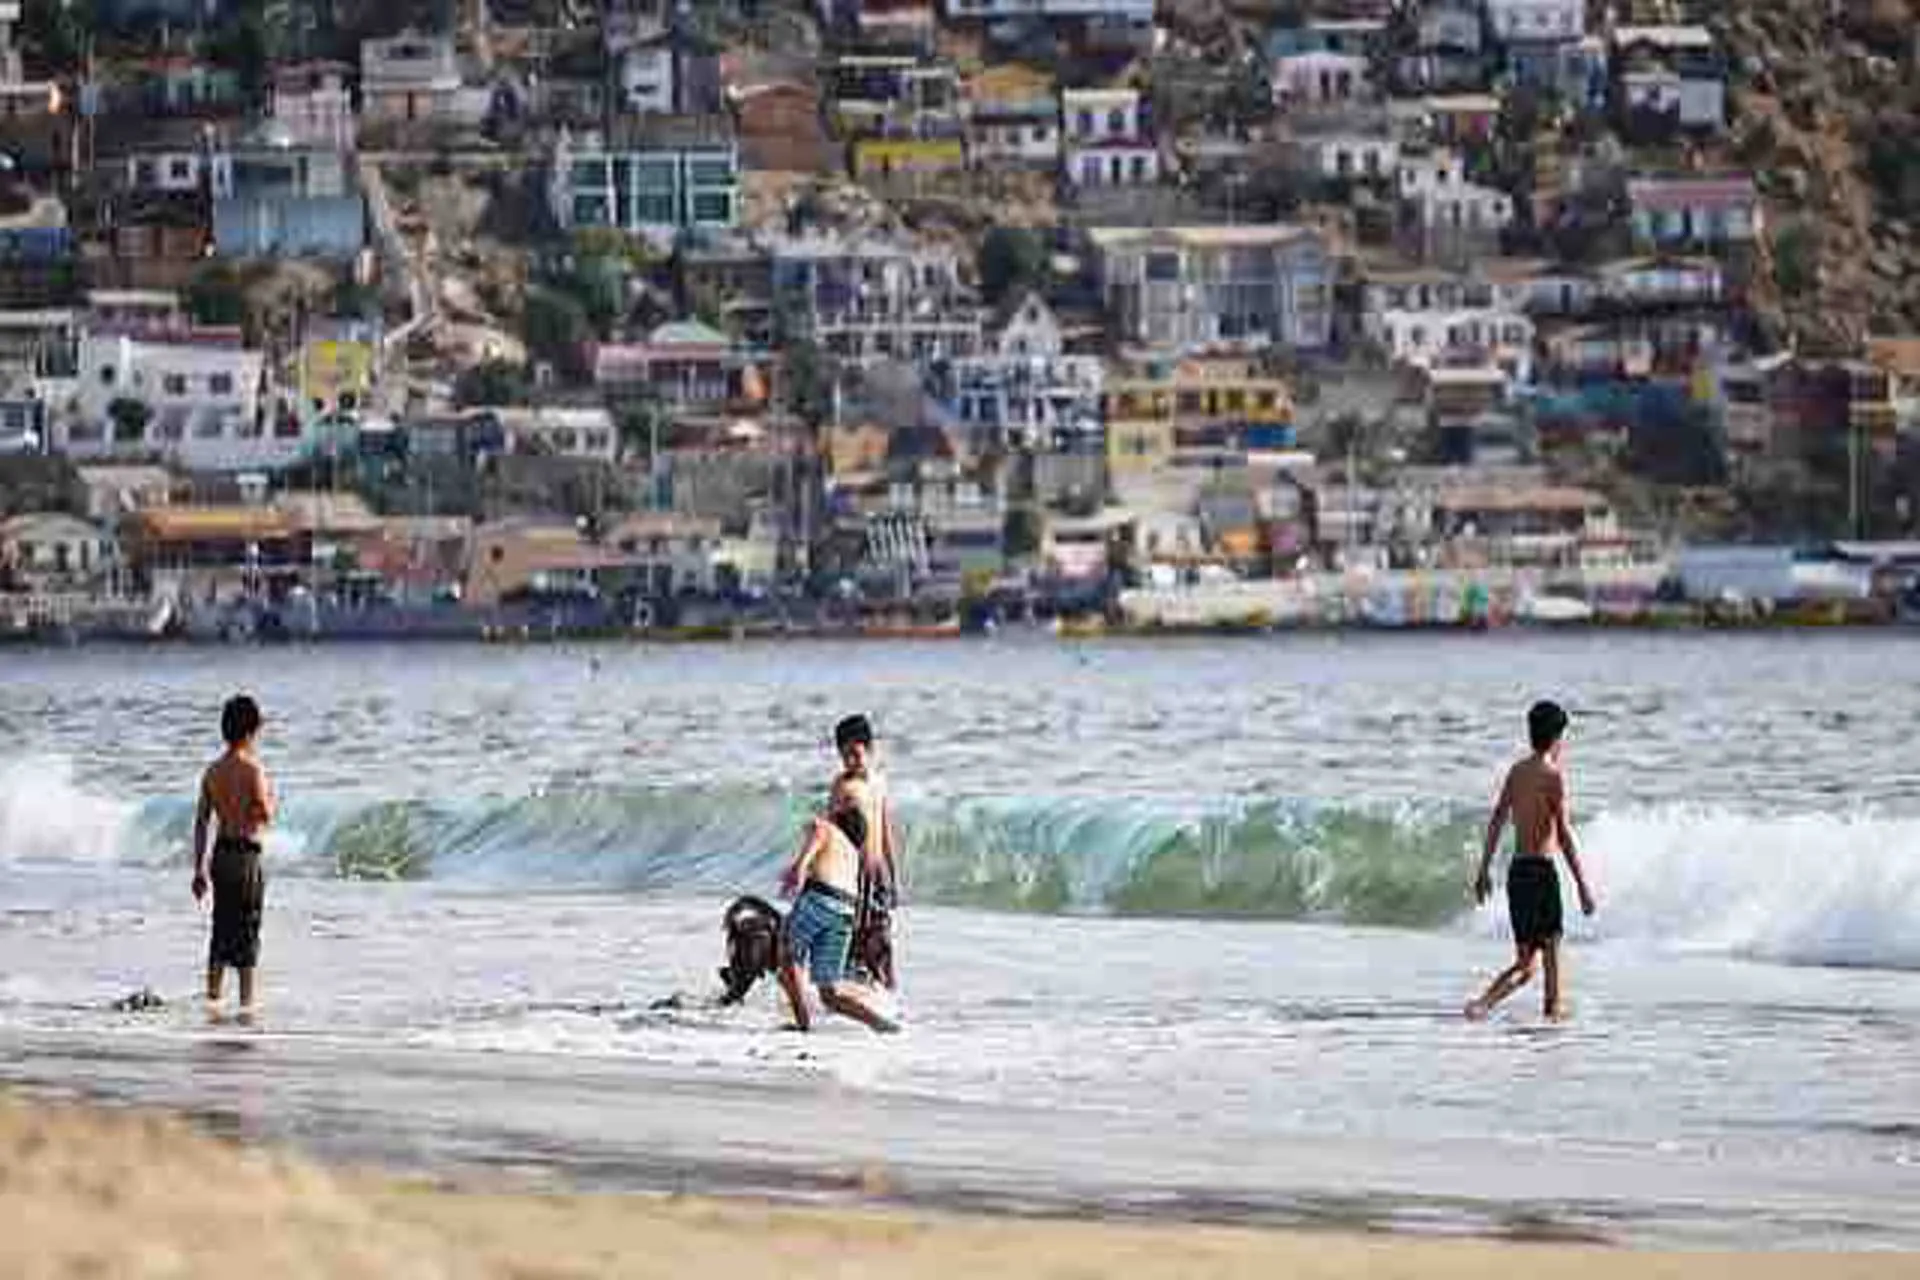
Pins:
x: 235, y: 793
x: 860, y: 786
x: 1534, y: 796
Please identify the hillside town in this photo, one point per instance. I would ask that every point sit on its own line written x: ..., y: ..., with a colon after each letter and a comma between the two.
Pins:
x: 489, y: 316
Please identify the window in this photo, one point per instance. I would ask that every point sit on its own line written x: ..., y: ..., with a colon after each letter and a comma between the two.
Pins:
x: 174, y: 384
x: 655, y: 175
x: 590, y: 211
x: 711, y: 173
x: 144, y: 174
x: 1117, y: 123
x: 1139, y: 168
x: 714, y: 206
x: 1085, y: 125
x: 180, y: 169
x: 656, y: 210
x: 106, y: 375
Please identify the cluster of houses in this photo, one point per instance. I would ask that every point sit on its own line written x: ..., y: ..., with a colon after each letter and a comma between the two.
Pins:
x: 1391, y: 235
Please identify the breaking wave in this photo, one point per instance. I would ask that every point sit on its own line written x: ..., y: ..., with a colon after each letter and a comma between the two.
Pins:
x: 1810, y: 888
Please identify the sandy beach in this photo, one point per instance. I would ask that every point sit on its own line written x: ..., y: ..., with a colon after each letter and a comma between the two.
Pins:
x: 90, y: 1192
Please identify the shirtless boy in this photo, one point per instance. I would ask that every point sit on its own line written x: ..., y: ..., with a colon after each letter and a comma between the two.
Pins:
x: 825, y: 873
x: 1534, y: 797
x: 860, y: 785
x: 236, y: 794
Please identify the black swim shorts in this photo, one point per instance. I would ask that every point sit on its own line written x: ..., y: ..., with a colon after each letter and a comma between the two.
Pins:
x: 239, y: 895
x: 1533, y: 900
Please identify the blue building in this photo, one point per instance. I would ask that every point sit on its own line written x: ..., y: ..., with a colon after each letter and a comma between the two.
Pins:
x: 288, y: 200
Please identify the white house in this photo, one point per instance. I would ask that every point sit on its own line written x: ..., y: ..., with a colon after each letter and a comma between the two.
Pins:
x: 201, y: 403
x: 1540, y: 21
x: 415, y: 77
x: 182, y: 169
x: 1436, y: 184
x: 312, y: 101
x: 1313, y: 80
x: 645, y: 68
x: 53, y: 551
x: 1108, y: 139
x: 1024, y: 389
x: 1093, y: 116
x: 1349, y: 155
x: 1673, y: 72
x: 1431, y: 338
x: 568, y: 432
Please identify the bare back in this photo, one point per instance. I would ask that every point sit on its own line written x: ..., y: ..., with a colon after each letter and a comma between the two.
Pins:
x: 1536, y: 797
x: 237, y: 792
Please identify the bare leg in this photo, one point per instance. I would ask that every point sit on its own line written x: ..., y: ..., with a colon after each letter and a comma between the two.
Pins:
x: 796, y: 999
x: 216, y: 982
x: 1550, y: 957
x: 246, y: 995
x: 1509, y: 980
x: 844, y: 999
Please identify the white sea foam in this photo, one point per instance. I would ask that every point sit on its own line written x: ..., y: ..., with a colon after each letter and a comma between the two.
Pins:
x: 1800, y: 888
x: 46, y: 816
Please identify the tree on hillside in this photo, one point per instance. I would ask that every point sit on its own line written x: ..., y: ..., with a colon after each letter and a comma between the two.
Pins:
x: 130, y: 418
x: 493, y: 382
x: 556, y: 327
x: 217, y: 295
x: 1013, y: 260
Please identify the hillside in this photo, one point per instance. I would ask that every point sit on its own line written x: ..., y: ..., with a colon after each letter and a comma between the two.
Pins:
x: 1826, y: 109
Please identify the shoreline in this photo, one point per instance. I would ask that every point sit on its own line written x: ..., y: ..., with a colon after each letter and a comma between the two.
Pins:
x: 94, y: 1190
x: 1070, y: 630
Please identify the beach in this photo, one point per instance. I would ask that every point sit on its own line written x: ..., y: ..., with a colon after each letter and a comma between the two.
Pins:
x: 1187, y: 938
x: 94, y: 1193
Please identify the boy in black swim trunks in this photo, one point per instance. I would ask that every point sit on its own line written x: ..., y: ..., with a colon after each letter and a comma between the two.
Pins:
x: 235, y: 793
x: 1534, y: 797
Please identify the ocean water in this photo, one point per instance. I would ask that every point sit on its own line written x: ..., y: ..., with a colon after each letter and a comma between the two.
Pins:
x: 1189, y: 930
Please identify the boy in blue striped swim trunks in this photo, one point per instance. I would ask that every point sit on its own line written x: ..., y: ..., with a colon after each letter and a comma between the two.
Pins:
x: 825, y: 873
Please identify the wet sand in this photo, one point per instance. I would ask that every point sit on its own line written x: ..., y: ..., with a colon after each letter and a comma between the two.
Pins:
x: 94, y: 1192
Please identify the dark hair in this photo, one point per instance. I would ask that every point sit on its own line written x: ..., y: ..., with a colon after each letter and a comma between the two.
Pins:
x: 851, y: 730
x: 852, y: 824
x: 239, y: 719
x: 1546, y: 721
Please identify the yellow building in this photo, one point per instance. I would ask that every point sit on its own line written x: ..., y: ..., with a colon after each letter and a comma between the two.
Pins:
x: 335, y: 369
x: 884, y: 157
x: 1159, y: 411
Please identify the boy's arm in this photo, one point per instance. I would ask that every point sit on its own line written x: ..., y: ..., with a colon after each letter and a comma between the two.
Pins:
x: 795, y: 874
x: 202, y: 818
x: 1563, y: 828
x: 1496, y: 823
x: 890, y: 848
x: 266, y: 805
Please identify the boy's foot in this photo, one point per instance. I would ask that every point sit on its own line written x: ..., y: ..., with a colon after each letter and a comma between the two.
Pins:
x: 245, y: 1017
x: 1476, y: 1011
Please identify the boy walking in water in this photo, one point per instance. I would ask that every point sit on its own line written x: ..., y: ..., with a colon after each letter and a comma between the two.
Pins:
x: 236, y: 794
x: 1534, y: 797
x: 825, y: 876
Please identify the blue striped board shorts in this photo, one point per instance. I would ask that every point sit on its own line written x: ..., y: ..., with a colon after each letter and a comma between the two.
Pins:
x: 819, y: 933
